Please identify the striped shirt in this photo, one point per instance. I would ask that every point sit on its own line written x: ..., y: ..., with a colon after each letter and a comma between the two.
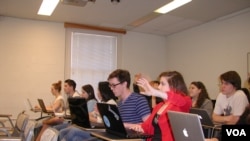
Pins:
x: 134, y: 108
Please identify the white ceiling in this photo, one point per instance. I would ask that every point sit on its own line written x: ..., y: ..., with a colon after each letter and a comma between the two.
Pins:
x: 132, y: 15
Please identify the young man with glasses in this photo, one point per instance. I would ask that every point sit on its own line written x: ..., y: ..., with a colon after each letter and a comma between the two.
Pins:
x: 133, y: 107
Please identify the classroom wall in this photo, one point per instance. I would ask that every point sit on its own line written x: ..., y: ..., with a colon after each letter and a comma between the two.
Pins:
x: 32, y: 58
x: 144, y: 53
x: 205, y: 52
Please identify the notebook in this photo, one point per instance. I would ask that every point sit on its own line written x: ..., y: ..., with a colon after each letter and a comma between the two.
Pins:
x: 79, y: 114
x: 43, y: 107
x: 114, y: 124
x: 185, y: 126
x: 203, y: 116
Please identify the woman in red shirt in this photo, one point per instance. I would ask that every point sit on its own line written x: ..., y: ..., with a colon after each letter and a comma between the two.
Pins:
x: 174, y: 92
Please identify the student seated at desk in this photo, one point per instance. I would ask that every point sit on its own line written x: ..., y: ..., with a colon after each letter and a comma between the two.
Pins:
x: 200, y: 97
x: 105, y: 95
x: 231, y: 101
x: 175, y: 94
x: 58, y: 106
x: 75, y: 133
x: 244, y: 119
x: 70, y: 90
x: 89, y: 94
x: 133, y: 107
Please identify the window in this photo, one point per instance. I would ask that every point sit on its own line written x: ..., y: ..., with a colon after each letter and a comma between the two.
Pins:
x: 90, y: 56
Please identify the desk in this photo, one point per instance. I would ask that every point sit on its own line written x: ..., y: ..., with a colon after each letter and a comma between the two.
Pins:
x: 108, y: 137
x: 8, y: 117
x: 37, y: 110
x: 40, y: 110
x: 10, y: 139
x: 98, y: 129
x: 212, y: 130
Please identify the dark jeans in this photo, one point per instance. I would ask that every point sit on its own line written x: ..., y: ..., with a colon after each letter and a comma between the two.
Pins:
x: 73, y: 133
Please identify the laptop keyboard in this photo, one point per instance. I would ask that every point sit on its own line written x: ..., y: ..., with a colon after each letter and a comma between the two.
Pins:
x: 133, y: 134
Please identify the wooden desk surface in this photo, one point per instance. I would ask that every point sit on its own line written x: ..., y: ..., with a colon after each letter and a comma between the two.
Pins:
x: 108, y: 137
x: 5, y: 115
x: 36, y: 110
x: 10, y: 139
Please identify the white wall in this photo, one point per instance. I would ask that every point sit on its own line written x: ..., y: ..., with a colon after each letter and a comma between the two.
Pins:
x: 205, y: 52
x: 32, y: 58
x: 144, y: 53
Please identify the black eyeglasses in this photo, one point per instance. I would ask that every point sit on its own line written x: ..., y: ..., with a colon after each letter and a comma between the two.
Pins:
x: 114, y: 85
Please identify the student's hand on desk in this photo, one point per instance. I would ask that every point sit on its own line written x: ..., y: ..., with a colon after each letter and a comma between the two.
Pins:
x: 231, y: 119
x: 212, y: 139
x: 37, y: 107
x: 228, y: 118
x: 137, y: 128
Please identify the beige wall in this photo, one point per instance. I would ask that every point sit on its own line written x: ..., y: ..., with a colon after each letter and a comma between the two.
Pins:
x: 144, y: 53
x: 32, y: 58
x: 205, y: 52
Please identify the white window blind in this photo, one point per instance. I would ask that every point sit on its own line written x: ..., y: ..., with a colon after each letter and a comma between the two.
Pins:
x: 92, y: 57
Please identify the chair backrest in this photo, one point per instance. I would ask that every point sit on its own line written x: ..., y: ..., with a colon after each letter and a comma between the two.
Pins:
x: 29, y: 130
x: 49, y: 134
x: 20, y: 125
x: 247, y: 93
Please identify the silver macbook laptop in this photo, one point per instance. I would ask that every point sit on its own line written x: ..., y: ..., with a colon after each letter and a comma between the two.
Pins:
x: 185, y: 126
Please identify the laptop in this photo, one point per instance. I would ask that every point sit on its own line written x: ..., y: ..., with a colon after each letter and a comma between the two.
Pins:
x: 43, y: 107
x: 204, y: 117
x: 185, y: 126
x: 79, y: 114
x: 114, y: 125
x: 31, y: 107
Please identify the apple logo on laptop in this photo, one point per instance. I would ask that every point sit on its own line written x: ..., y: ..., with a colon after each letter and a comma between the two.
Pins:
x: 106, y: 121
x: 200, y: 117
x: 185, y: 133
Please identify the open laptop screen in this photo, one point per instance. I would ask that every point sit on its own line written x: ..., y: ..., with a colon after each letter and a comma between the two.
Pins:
x: 43, y: 107
x: 203, y: 116
x: 79, y: 112
x: 112, y: 119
